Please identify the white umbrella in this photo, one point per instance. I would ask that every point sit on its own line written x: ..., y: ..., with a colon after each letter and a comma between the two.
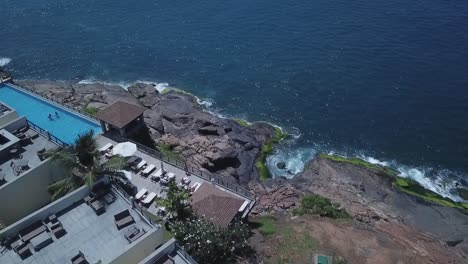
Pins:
x: 125, y: 149
x: 127, y: 174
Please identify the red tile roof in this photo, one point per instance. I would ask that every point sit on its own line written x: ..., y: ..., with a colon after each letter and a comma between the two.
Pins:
x: 120, y: 114
x: 215, y: 204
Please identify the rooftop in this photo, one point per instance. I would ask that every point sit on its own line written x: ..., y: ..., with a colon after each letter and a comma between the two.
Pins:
x: 120, y: 114
x: 215, y: 204
x: 27, y: 153
x: 96, y: 236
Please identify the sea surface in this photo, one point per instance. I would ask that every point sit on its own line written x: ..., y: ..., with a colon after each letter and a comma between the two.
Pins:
x: 383, y: 80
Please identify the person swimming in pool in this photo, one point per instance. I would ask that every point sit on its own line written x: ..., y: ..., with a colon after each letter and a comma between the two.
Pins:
x: 56, y: 114
x: 50, y: 117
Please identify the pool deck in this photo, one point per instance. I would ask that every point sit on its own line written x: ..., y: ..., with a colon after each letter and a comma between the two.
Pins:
x: 27, y: 153
x: 142, y: 182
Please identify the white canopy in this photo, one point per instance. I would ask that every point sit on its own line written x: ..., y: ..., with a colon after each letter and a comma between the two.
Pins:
x: 124, y: 149
x: 127, y: 174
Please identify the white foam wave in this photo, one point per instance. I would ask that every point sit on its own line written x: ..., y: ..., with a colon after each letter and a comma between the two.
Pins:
x: 442, y: 182
x: 161, y: 86
x: 295, y: 161
x: 4, y: 61
x: 124, y: 85
x: 207, y: 103
x: 375, y: 161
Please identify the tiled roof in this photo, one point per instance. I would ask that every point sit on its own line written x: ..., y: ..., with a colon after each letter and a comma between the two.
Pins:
x: 120, y: 114
x: 215, y: 204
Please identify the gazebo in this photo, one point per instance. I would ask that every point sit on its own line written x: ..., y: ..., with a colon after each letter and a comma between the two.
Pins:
x: 121, y: 116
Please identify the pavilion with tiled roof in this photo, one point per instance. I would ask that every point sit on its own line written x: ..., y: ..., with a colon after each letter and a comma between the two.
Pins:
x: 217, y: 205
x: 121, y: 116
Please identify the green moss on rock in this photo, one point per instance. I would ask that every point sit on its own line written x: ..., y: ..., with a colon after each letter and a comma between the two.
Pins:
x: 242, y: 122
x: 267, y: 149
x: 405, y: 185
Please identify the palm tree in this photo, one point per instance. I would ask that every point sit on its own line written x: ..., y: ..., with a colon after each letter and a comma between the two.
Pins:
x: 82, y: 161
x: 177, y: 201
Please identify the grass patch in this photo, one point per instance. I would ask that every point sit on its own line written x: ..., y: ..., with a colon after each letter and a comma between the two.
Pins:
x: 405, y: 185
x: 242, y: 122
x: 318, y: 205
x: 167, y: 235
x: 265, y: 225
x: 90, y: 110
x: 267, y: 149
x: 295, y: 247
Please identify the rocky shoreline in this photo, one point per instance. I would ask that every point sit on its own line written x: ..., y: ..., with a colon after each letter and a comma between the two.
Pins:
x: 403, y: 226
x: 176, y: 122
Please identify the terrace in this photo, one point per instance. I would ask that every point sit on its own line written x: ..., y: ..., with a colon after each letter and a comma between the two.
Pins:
x: 84, y: 232
x: 180, y: 175
x: 21, y: 151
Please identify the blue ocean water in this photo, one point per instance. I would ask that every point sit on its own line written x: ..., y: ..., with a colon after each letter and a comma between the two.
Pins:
x: 385, y: 80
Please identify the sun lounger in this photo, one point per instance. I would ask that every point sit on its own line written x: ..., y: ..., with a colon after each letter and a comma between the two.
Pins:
x: 171, y: 175
x: 149, y: 198
x: 140, y: 194
x: 123, y: 219
x: 148, y: 170
x: 195, y: 186
x: 105, y: 147
x: 140, y: 165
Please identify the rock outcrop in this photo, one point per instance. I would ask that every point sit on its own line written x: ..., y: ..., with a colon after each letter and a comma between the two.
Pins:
x: 424, y: 232
x: 207, y: 142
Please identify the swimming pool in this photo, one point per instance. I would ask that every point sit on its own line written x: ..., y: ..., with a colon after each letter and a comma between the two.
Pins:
x: 66, y: 126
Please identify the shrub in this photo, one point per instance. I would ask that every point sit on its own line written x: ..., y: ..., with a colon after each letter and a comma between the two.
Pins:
x: 208, y: 243
x: 315, y: 204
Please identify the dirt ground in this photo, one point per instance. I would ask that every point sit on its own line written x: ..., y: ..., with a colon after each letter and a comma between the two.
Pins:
x: 296, y: 239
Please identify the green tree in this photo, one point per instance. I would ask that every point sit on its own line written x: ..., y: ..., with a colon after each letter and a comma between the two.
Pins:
x: 177, y: 201
x: 82, y: 161
x: 208, y: 243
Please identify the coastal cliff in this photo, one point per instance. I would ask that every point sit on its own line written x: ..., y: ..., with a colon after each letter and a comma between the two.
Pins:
x: 177, y: 124
x: 391, y: 226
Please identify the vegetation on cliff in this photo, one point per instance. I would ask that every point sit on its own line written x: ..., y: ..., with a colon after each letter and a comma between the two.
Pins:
x: 405, y: 185
x: 316, y: 204
x: 267, y: 149
x: 90, y: 110
x: 242, y: 122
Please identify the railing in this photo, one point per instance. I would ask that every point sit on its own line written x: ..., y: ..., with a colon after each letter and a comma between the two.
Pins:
x: 184, y: 254
x: 68, y: 106
x: 47, y: 134
x: 199, y: 173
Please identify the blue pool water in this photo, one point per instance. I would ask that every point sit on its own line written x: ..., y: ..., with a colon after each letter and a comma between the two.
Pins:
x: 67, y: 126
